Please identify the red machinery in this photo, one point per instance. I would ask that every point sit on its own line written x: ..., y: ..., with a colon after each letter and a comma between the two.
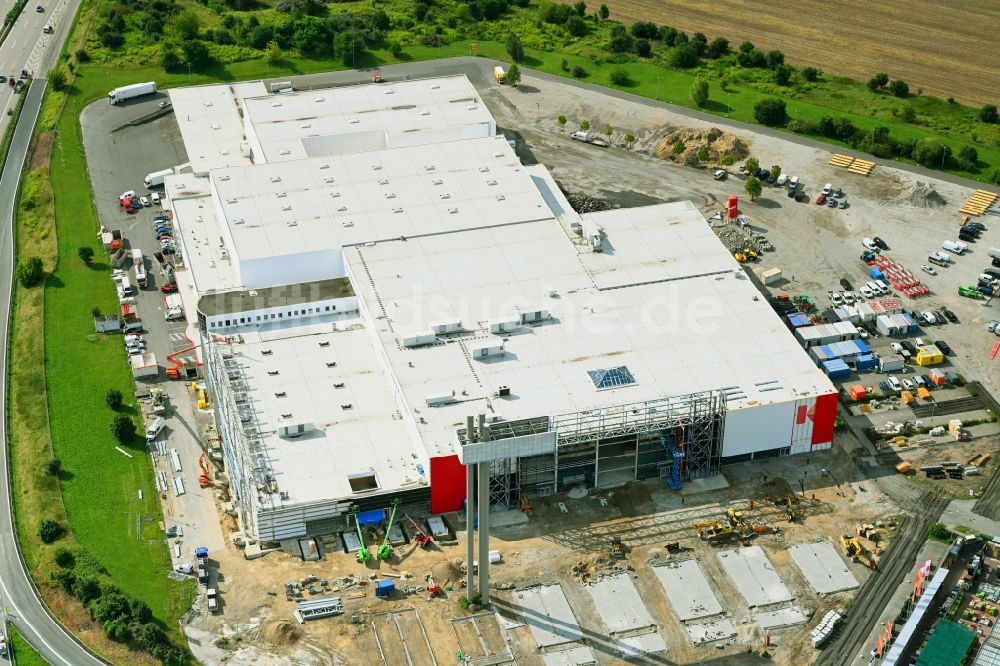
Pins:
x: 422, y: 538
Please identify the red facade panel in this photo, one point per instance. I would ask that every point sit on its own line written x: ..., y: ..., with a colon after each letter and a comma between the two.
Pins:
x: 447, y: 484
x: 825, y: 418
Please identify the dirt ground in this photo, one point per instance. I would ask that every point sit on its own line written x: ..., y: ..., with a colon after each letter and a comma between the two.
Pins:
x: 814, y: 247
x: 925, y: 43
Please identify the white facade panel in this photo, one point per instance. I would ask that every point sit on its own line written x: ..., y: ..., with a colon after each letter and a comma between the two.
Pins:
x: 220, y: 322
x: 758, y: 428
x: 802, y: 425
x: 292, y: 268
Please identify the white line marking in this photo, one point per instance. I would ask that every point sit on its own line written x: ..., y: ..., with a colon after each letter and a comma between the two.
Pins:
x: 41, y: 638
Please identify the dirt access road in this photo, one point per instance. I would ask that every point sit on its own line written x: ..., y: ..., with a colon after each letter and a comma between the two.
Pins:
x: 946, y: 48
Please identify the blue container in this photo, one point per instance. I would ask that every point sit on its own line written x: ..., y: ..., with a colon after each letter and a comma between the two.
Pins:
x: 371, y: 517
x: 877, y: 274
x: 836, y: 369
x: 384, y: 588
x: 866, y: 362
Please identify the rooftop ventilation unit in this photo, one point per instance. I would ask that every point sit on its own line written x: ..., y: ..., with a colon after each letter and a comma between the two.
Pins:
x: 397, y: 210
x: 429, y: 167
x: 284, y: 151
x: 232, y: 201
x: 390, y: 195
x: 328, y: 181
x: 275, y: 179
x: 376, y: 167
x: 446, y: 326
x: 418, y: 339
x: 491, y: 182
x: 348, y: 224
x: 281, y: 195
x: 501, y: 197
x: 483, y: 169
x: 505, y: 325
x: 223, y: 178
x: 325, y: 166
x: 319, y: 99
x: 535, y: 316
x: 471, y: 107
x: 437, y: 181
x: 325, y: 343
x: 487, y: 350
x: 293, y: 430
x: 216, y: 126
x: 425, y: 112
x: 305, y: 125
x: 440, y: 399
x: 354, y: 121
x: 445, y: 196
x: 435, y: 86
x: 338, y: 385
x: 452, y: 210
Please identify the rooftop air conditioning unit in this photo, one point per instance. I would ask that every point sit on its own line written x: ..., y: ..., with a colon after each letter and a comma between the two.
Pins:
x: 293, y: 430
x: 505, y: 325
x: 440, y: 399
x: 487, y: 350
x: 535, y: 316
x: 418, y: 339
x: 446, y: 326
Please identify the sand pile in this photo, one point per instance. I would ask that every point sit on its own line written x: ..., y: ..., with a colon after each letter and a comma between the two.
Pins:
x: 719, y: 144
x: 279, y: 632
x: 447, y: 570
x: 920, y: 195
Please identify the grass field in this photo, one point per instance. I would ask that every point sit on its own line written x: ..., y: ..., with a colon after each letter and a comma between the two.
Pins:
x: 24, y: 654
x: 947, y: 48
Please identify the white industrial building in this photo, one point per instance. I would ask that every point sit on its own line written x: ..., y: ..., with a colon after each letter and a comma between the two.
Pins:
x: 370, y: 265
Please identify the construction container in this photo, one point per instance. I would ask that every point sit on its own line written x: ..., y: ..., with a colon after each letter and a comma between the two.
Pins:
x: 929, y: 355
x: 858, y: 392
x: 384, y: 588
x: 906, y: 397
x: 887, y: 325
x: 798, y: 320
x: 891, y: 363
x: 904, y: 467
x: 866, y: 362
x: 923, y: 393
x: 938, y: 377
x: 836, y: 369
x: 770, y: 277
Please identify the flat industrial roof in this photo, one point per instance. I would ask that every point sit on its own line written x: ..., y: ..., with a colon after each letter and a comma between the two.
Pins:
x: 675, y: 336
x: 200, y: 234
x: 210, y: 122
x: 326, y: 203
x: 327, y: 375
x: 297, y: 125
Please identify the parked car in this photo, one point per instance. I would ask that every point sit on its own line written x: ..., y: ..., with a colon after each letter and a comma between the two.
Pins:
x: 977, y: 226
x: 719, y: 174
x: 144, y: 201
x: 802, y: 197
x: 846, y: 284
x: 928, y: 269
x: 939, y: 316
x: 992, y: 325
x: 155, y: 196
x: 882, y: 245
x: 174, y: 314
x: 867, y: 293
x: 820, y: 200
x: 908, y: 385
x: 782, y: 179
x: 870, y: 244
x: 944, y: 347
x: 950, y: 316
x: 928, y: 318
x: 40, y: 9
x: 992, y: 272
x: 168, y: 288
x: 843, y: 204
x: 908, y: 346
x: 832, y: 203
x: 894, y: 383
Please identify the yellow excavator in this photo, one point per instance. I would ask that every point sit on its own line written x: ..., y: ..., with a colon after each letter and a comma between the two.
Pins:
x: 852, y: 547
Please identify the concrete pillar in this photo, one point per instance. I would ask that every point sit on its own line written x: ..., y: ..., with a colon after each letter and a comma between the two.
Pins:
x: 484, y: 518
x: 470, y: 511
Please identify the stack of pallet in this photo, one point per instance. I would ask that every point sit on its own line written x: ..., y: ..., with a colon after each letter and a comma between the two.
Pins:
x: 854, y: 165
x: 841, y: 160
x: 978, y: 203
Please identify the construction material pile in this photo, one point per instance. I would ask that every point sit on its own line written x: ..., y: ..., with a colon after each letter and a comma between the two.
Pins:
x: 719, y: 145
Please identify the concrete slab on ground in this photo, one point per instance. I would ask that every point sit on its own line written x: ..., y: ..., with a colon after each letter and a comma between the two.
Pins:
x: 547, y: 613
x: 708, y: 632
x: 695, y: 486
x: 823, y: 567
x: 688, y: 590
x: 754, y: 576
x: 578, y: 656
x: 508, y: 518
x: 635, y: 647
x: 783, y: 617
x: 619, y: 604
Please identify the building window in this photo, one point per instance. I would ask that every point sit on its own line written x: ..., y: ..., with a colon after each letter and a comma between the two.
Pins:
x: 227, y: 322
x: 328, y: 308
x: 258, y: 317
x: 280, y: 315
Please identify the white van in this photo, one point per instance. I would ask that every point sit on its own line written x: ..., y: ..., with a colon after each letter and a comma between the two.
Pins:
x: 133, y: 327
x: 883, y: 286
x: 874, y: 288
x: 958, y: 247
x: 894, y: 383
x: 155, y: 428
x: 782, y: 179
x: 126, y: 286
x: 793, y: 184
x: 828, y: 189
x: 939, y: 258
x: 994, y: 252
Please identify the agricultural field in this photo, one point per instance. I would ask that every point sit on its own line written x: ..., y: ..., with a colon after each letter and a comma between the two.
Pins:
x: 946, y: 48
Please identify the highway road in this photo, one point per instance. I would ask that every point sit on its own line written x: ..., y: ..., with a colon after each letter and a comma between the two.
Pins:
x: 26, y: 47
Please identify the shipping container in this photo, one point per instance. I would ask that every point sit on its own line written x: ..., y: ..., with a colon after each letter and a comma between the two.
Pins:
x: 929, y: 355
x: 859, y: 392
x: 891, y: 363
x: 836, y: 369
x: 866, y: 362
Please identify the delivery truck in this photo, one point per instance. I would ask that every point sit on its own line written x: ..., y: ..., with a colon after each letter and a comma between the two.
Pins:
x: 500, y: 75
x: 131, y: 92
x: 156, y: 178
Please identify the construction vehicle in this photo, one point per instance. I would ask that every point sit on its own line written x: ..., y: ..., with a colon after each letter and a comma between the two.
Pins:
x: 740, y: 525
x: 617, y: 550
x: 432, y: 586
x: 673, y: 547
x: 364, y: 555
x: 421, y: 538
x: 714, y: 531
x: 852, y: 547
x: 789, y: 502
x: 385, y: 550
x: 525, y: 503
x: 500, y: 74
x: 157, y: 399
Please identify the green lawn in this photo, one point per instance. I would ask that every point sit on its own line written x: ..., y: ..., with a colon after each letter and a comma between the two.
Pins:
x: 24, y: 654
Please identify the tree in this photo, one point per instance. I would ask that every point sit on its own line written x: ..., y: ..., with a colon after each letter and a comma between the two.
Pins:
x: 727, y: 161
x: 57, y: 78
x: 514, y: 47
x: 746, y: 47
x: 29, y: 271
x: 826, y: 126
x: 53, y: 467
x: 775, y: 58
x: 170, y: 60
x: 604, y: 12
x: 810, y: 73
x: 988, y: 114
x: 643, y: 48
x: 122, y: 428
x: 580, y: 7
x: 514, y: 75
x: 187, y: 25
x: 607, y: 130
x: 899, y: 88
x: 113, y: 398
x: 929, y: 152
x: 938, y: 531
x: 110, y: 606
x: 86, y: 253
x: 753, y: 188
x: 752, y: 165
x: 718, y: 48
x: 645, y: 30
x: 703, y: 154
x: 86, y: 588
x: 562, y: 122
x: 621, y: 40
x: 685, y: 56
x: 775, y: 170
x: 579, y: 72
x: 575, y: 26
x: 620, y: 77
x: 272, y: 53
x: 584, y: 125
x: 64, y: 557
x: 49, y: 530
x: 196, y: 54
x: 117, y: 629
x: 699, y: 92
x: 967, y: 158
x: 783, y: 74
x: 880, y: 80
x: 678, y: 147
x: 629, y: 139
x: 770, y: 111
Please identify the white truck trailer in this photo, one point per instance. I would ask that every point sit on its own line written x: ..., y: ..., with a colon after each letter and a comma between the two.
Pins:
x: 131, y: 92
x: 156, y: 178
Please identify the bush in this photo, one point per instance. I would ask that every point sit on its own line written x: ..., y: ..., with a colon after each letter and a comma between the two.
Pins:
x: 930, y: 153
x: 580, y: 7
x: 621, y: 41
x: 82, y: 55
x: 899, y: 88
x: 643, y: 48
x: 113, y: 399
x: 49, y: 530
x: 746, y: 47
x: 685, y: 56
x: 64, y: 579
x: 967, y: 158
x: 29, y: 271
x: 53, y: 467
x: 578, y: 72
x: 86, y: 253
x: 752, y: 59
x: 620, y: 77
x: 995, y: 176
x: 645, y: 30
x: 718, y: 48
x: 699, y: 92
x: 782, y: 75
x: 57, y: 79
x: 514, y: 47
x: 64, y: 557
x: 810, y: 73
x: 170, y: 60
x: 775, y: 59
x: 576, y: 26
x: 770, y: 112
x: 122, y: 428
x: 938, y: 531
x: 988, y: 114
x: 604, y: 12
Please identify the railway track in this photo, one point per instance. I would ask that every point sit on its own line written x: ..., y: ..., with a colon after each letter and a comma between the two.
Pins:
x: 877, y: 591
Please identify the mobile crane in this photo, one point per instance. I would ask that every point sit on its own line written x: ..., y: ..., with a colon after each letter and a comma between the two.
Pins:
x: 364, y: 555
x: 385, y: 550
x: 421, y: 538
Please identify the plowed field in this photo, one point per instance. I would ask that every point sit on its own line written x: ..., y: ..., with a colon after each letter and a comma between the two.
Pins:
x: 947, y: 48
